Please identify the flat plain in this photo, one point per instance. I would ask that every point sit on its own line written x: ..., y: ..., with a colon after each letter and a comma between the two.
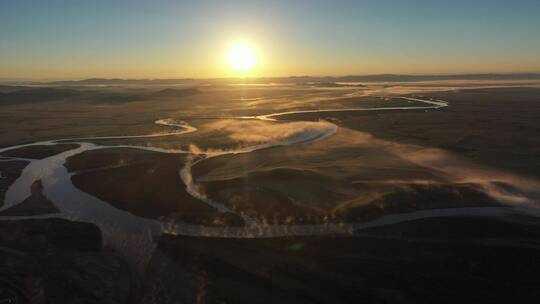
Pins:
x: 333, y: 179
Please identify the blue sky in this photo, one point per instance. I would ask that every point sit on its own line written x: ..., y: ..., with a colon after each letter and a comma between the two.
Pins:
x: 74, y: 39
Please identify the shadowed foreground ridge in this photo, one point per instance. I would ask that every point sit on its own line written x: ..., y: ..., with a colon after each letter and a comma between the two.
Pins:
x: 424, y: 261
x: 59, y: 261
x: 415, y: 262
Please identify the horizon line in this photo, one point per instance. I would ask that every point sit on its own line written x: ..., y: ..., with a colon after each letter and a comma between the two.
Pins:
x: 80, y: 79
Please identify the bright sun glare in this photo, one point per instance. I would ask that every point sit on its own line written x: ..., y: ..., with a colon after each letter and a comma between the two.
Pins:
x: 242, y: 58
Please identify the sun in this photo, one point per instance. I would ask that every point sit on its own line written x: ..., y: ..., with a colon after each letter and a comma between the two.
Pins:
x: 242, y: 58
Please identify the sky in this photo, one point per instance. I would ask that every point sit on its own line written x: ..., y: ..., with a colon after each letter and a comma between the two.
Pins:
x: 176, y: 39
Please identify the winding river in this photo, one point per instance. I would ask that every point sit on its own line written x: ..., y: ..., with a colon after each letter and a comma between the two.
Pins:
x: 77, y: 205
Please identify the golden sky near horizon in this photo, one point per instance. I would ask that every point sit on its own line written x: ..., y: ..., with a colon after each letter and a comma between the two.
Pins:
x: 269, y: 63
x: 139, y: 39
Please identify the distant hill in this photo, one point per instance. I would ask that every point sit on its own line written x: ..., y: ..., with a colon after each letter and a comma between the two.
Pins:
x: 33, y: 95
x: 328, y: 84
x: 323, y: 80
x: 396, y: 78
x: 9, y: 88
x: 170, y: 93
x: 93, y: 96
x: 116, y: 82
